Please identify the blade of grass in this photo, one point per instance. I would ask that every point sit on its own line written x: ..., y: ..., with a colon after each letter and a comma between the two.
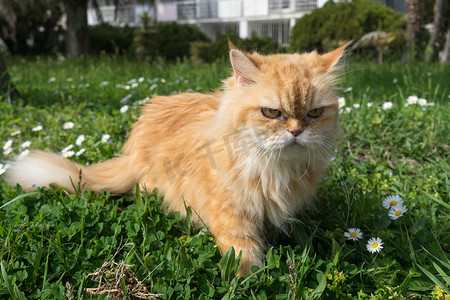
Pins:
x: 442, y: 273
x: 19, y: 197
x: 6, y: 279
x: 434, y: 279
x: 55, y: 286
x: 439, y: 201
x: 445, y: 264
x: 13, y: 290
x: 318, y: 291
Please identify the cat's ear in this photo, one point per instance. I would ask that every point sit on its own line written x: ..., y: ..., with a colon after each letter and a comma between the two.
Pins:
x: 245, y: 71
x: 330, y: 59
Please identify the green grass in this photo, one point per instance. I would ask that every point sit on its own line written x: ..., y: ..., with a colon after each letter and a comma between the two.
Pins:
x: 51, y: 240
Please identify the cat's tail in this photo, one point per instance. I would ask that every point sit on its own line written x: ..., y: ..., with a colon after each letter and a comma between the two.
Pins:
x: 39, y: 168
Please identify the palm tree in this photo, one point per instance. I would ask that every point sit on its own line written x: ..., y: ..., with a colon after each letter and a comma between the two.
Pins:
x: 378, y: 39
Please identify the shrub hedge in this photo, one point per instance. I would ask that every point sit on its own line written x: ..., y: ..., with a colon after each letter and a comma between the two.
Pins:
x: 327, y: 27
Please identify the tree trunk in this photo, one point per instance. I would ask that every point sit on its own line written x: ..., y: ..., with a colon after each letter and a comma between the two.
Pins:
x: 7, y: 88
x: 116, y: 10
x: 380, y: 50
x: 445, y: 54
x: 413, y: 24
x: 77, y: 37
x: 98, y: 12
x: 434, y: 45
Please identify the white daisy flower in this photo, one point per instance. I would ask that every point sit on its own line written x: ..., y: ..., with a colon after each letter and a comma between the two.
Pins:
x: 422, y: 102
x: 144, y: 100
x: 374, y: 245
x: 66, y: 149
x: 80, y: 140
x: 25, y: 144
x: 14, y: 133
x: 397, y: 211
x: 387, y: 105
x: 81, y: 151
x: 153, y: 86
x: 37, y: 128
x: 134, y: 85
x: 126, y: 98
x: 391, y: 201
x: 51, y: 79
x: 7, y: 145
x: 349, y: 89
x: 348, y: 109
x: 395, y: 80
x: 163, y: 80
x: 105, y: 138
x: 68, y: 125
x: 353, y: 234
x: 369, y: 104
x: 124, y: 109
x: 141, y: 79
x: 8, y: 151
x: 105, y: 83
x: 356, y: 105
x: 68, y: 154
x: 341, y: 101
x: 412, y: 100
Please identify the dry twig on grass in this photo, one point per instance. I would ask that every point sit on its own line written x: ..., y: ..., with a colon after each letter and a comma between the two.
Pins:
x: 117, y: 280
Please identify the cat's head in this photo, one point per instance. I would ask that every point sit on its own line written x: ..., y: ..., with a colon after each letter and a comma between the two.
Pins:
x: 285, y: 101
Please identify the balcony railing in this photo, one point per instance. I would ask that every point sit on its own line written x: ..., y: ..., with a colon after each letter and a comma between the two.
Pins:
x: 207, y: 9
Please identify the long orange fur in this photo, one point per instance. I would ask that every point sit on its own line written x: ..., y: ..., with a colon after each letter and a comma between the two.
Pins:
x: 217, y: 152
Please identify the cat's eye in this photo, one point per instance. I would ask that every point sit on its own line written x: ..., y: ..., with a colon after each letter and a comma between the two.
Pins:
x: 270, y: 112
x: 314, y: 113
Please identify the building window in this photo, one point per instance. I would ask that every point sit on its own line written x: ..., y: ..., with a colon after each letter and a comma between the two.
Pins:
x: 186, y: 10
x: 305, y: 5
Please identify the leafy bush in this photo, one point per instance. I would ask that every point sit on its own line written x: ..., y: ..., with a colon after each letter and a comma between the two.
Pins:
x: 36, y: 26
x: 173, y: 40
x: 326, y: 27
x: 217, y: 50
x: 210, y: 52
x: 144, y: 39
x: 264, y: 45
x: 110, y: 39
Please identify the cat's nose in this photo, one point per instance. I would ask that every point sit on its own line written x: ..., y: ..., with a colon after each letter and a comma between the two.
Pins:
x: 295, y: 132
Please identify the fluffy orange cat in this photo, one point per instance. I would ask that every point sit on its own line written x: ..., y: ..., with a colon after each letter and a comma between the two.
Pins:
x: 253, y: 151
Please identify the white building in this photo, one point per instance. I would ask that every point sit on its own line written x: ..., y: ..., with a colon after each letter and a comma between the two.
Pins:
x: 272, y: 18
